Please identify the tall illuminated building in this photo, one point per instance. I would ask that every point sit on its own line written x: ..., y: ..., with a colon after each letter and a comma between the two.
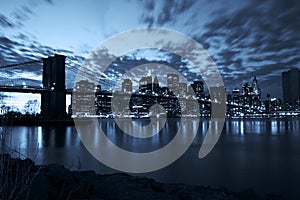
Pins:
x: 172, y: 81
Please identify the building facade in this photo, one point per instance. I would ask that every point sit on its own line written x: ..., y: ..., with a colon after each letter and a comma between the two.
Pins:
x: 127, y: 86
x: 291, y: 86
x: 172, y: 81
x: 198, y: 88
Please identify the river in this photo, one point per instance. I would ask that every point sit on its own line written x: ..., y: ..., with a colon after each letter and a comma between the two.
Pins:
x: 262, y: 154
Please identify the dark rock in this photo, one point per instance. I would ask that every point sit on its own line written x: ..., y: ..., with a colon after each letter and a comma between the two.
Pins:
x: 248, y: 194
x: 41, y: 188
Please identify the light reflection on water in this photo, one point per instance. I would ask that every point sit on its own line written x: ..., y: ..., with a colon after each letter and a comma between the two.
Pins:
x: 262, y: 126
x: 263, y: 154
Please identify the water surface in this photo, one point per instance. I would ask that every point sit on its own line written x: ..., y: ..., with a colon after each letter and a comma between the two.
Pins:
x: 263, y: 154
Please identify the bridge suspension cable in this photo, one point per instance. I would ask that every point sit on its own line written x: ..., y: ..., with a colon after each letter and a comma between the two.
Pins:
x: 18, y: 64
x: 102, y: 80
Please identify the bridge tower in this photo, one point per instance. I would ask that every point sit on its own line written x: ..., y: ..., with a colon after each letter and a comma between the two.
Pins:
x: 53, y: 100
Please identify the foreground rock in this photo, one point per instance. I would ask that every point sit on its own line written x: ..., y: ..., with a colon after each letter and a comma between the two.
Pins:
x: 22, y: 179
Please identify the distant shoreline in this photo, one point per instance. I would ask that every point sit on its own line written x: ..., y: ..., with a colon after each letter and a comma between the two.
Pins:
x: 37, y: 122
x: 70, y: 121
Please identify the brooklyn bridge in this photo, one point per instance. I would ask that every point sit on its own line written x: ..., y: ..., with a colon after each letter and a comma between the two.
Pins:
x: 53, y: 89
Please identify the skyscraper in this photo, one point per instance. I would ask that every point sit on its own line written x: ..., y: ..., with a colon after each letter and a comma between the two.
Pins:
x: 156, y: 85
x: 83, y: 98
x: 291, y: 85
x: 145, y: 84
x: 127, y: 86
x: 182, y: 88
x: 198, y: 88
x: 173, y: 81
x: 256, y: 90
x: 256, y: 93
x: 236, y: 95
x: 246, y: 94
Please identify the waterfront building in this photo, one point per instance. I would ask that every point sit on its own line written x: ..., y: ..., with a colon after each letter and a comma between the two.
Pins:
x: 255, y: 93
x: 172, y: 81
x: 145, y: 84
x: 83, y: 98
x: 182, y: 89
x: 127, y: 86
x: 291, y: 86
x: 198, y: 88
x: 156, y: 87
x: 235, y: 95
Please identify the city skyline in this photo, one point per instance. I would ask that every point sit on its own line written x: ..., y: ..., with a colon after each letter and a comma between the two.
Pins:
x: 248, y: 95
x: 18, y: 100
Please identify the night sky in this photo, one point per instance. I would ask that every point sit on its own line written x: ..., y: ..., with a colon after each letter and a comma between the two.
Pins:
x: 244, y: 38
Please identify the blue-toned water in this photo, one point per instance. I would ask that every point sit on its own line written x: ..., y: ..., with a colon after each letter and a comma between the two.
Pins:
x: 263, y: 154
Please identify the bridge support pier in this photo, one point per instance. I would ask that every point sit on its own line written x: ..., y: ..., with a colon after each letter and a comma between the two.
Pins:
x: 53, y: 100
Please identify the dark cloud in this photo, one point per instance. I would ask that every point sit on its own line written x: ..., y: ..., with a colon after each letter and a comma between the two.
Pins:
x: 21, y: 50
x: 167, y: 11
x: 149, y: 21
x: 22, y: 14
x: 7, y: 43
x: 149, y: 5
x: 264, y: 28
x: 18, y: 16
x: 254, y: 36
x: 49, y: 1
x: 5, y: 23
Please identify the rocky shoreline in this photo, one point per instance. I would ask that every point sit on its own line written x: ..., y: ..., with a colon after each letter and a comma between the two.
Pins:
x: 22, y: 179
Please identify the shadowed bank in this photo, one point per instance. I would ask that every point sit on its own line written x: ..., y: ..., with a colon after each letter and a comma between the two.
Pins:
x: 22, y: 179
